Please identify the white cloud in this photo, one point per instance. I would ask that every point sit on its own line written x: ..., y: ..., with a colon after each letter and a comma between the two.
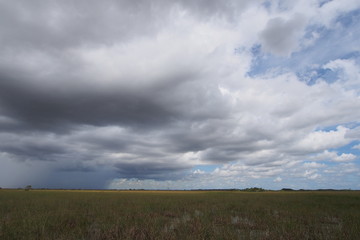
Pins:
x: 278, y: 179
x: 345, y: 157
x: 334, y: 157
x: 313, y: 165
x: 349, y: 73
x: 320, y: 140
x: 198, y: 171
x: 311, y: 174
x: 333, y: 9
x: 356, y: 146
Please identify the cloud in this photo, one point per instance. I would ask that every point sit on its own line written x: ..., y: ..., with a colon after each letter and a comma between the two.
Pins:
x: 331, y: 10
x: 353, y: 134
x: 348, y: 71
x: 281, y: 36
x: 311, y: 174
x: 278, y: 179
x: 145, y: 94
x: 321, y: 140
x: 334, y: 157
x: 356, y: 146
x: 314, y: 165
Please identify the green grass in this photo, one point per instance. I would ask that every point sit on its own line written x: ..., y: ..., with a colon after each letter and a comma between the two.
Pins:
x: 41, y: 214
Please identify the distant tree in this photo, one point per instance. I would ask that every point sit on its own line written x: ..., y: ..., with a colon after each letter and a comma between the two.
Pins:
x: 287, y: 189
x: 254, y: 189
x: 28, y: 187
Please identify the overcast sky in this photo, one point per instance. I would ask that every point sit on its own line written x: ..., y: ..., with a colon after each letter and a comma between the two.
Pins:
x: 180, y: 94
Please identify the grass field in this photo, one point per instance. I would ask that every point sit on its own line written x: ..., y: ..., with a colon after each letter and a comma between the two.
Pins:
x: 56, y: 214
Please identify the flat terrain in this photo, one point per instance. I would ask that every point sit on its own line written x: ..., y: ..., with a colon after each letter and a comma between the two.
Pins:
x: 56, y: 214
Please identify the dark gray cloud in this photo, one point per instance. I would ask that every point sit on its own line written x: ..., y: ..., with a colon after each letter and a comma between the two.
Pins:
x: 151, y: 170
x: 52, y: 107
x: 56, y: 25
x: 53, y: 24
x: 33, y: 151
x: 281, y: 36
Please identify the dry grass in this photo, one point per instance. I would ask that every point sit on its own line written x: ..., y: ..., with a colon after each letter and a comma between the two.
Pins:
x: 64, y: 214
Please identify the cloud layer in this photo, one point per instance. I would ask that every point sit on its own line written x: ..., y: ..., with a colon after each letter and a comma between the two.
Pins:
x: 184, y: 94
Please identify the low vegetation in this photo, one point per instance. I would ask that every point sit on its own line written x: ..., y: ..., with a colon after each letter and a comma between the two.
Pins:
x: 55, y: 214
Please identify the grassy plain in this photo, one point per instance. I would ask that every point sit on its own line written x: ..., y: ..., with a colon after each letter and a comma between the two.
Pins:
x: 56, y: 214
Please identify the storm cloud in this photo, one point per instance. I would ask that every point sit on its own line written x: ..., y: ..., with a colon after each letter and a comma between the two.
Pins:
x: 172, y: 94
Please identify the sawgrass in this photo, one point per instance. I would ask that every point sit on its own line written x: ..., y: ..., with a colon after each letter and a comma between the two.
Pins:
x: 43, y: 214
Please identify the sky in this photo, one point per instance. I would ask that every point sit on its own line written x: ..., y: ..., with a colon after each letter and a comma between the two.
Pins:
x: 182, y: 94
